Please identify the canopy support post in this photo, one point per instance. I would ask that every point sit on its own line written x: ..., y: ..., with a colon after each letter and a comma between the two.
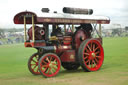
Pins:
x: 64, y: 28
x: 33, y: 29
x: 100, y: 32
x: 73, y: 28
x: 25, y: 34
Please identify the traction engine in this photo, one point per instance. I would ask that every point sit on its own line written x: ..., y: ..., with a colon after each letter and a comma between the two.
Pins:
x: 65, y: 39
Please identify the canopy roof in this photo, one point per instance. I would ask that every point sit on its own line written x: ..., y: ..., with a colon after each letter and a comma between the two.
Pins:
x: 59, y: 18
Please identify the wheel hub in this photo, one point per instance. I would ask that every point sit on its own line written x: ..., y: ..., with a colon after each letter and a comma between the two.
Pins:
x: 36, y: 63
x: 93, y: 55
x: 50, y: 65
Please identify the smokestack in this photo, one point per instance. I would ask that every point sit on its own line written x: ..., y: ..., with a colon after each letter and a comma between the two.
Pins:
x: 77, y: 11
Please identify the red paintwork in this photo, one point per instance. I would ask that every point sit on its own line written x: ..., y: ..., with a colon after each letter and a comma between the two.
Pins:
x: 93, y: 46
x: 68, y: 56
x: 33, y: 64
x: 79, y: 34
x: 19, y: 19
x: 34, y: 44
x: 67, y: 40
x: 38, y: 33
x: 45, y: 68
x: 69, y: 21
x: 67, y: 47
x: 62, y: 48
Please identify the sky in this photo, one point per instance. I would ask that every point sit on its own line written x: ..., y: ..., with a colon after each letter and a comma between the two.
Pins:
x: 117, y: 10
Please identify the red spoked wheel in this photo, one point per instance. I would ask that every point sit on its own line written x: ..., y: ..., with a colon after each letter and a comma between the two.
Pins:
x: 33, y: 64
x: 49, y: 65
x: 91, y: 55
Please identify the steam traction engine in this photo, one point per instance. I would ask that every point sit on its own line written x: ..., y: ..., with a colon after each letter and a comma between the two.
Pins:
x: 63, y: 39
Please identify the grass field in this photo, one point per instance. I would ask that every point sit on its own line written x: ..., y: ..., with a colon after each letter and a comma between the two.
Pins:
x: 14, y: 71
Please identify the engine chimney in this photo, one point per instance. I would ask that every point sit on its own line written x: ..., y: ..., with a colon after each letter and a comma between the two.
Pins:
x: 77, y: 11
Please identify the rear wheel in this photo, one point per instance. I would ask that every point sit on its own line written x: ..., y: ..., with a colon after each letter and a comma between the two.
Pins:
x: 70, y: 66
x: 33, y: 64
x: 49, y: 65
x: 91, y: 55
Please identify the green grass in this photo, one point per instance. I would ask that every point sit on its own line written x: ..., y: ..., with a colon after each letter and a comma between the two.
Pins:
x: 14, y: 71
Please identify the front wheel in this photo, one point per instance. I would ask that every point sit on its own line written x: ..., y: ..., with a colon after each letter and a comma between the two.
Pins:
x: 33, y: 64
x: 91, y: 55
x: 49, y: 65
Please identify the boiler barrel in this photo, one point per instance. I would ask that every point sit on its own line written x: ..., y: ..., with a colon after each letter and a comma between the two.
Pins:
x: 77, y: 11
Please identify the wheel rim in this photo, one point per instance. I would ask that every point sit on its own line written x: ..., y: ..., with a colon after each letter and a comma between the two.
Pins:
x: 33, y: 64
x: 93, y: 55
x: 50, y: 65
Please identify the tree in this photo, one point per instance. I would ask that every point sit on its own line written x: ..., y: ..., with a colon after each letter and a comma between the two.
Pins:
x: 126, y: 28
x: 116, y: 31
x: 1, y: 33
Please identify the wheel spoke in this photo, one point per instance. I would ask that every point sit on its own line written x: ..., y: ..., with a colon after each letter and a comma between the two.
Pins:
x: 97, y: 52
x: 87, y: 61
x: 37, y: 69
x: 44, y: 66
x: 96, y: 60
x: 54, y: 61
x: 95, y: 49
x: 54, y: 68
x: 44, y: 62
x: 32, y: 64
x: 36, y: 57
x: 45, y: 70
x: 89, y: 48
x: 86, y: 53
x: 54, y: 64
x: 92, y: 64
x: 98, y: 56
x: 48, y: 60
x: 34, y: 61
x: 85, y: 57
x: 49, y: 70
x: 34, y: 67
